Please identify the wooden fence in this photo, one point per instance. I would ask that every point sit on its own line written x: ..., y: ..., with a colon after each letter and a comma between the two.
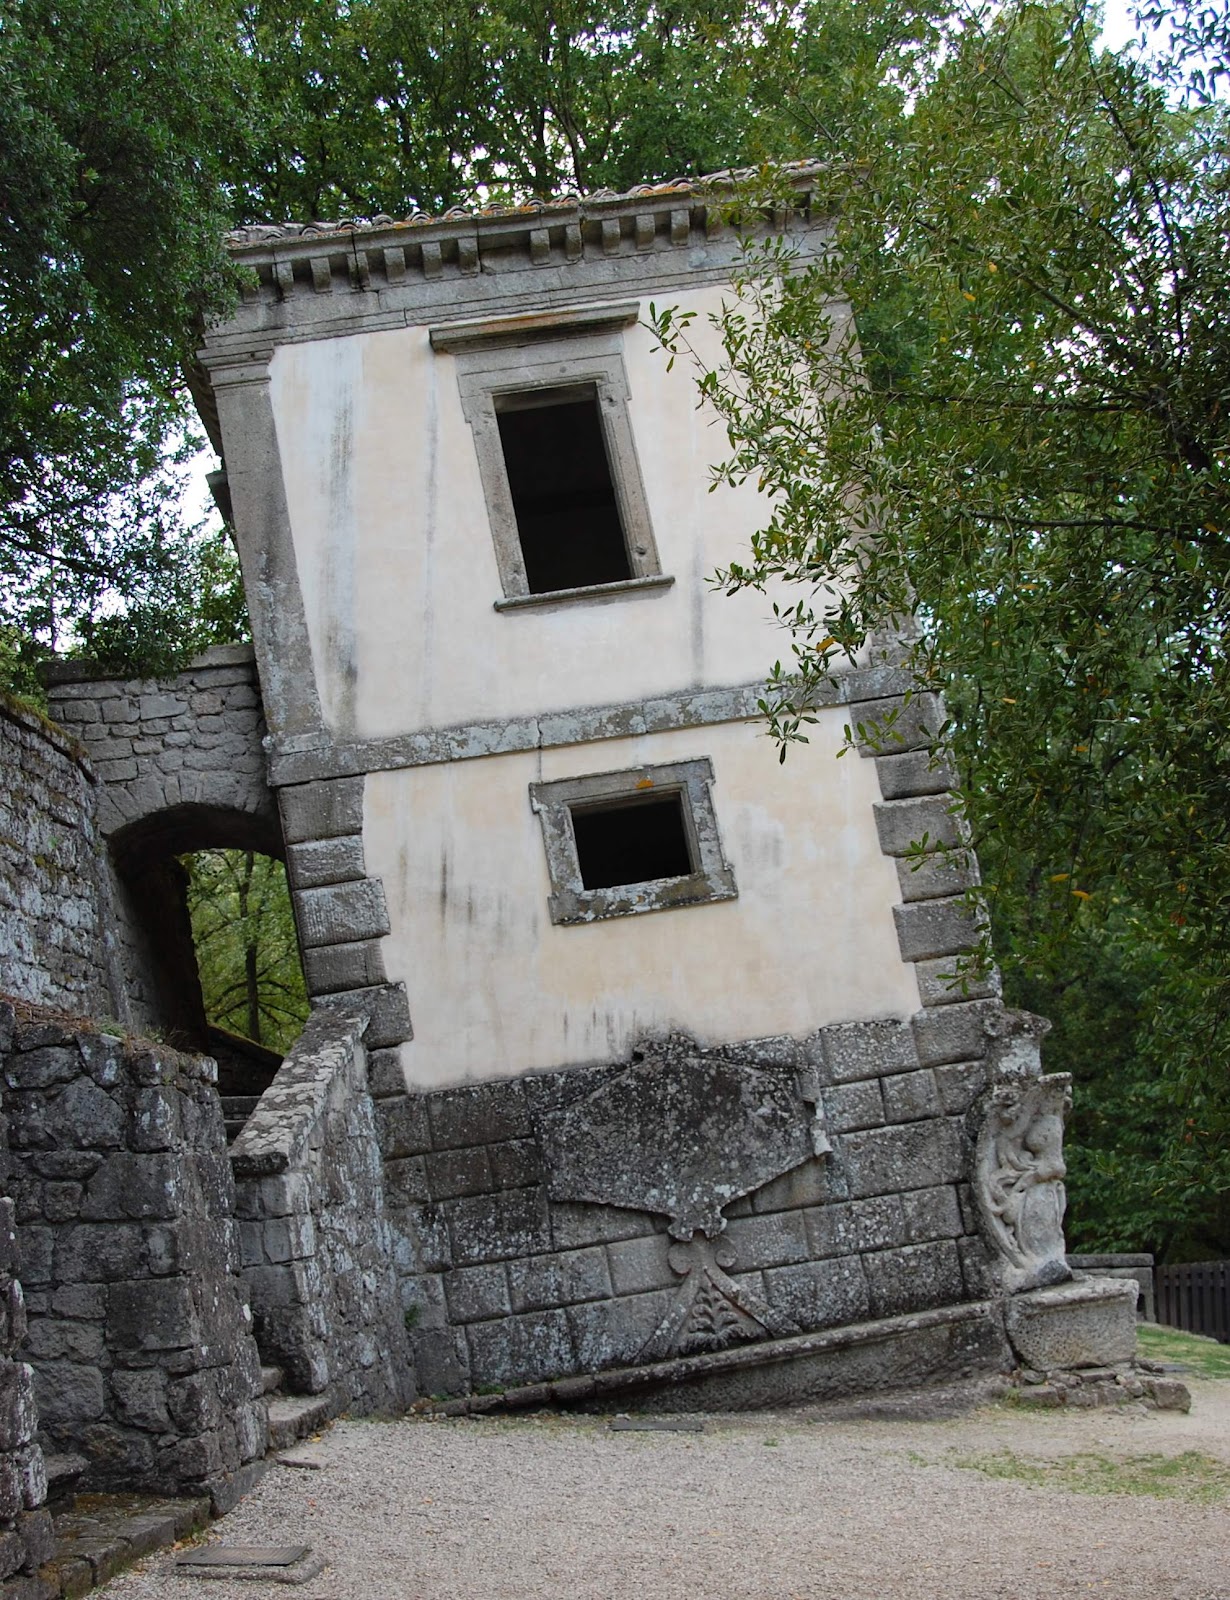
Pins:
x: 1195, y: 1296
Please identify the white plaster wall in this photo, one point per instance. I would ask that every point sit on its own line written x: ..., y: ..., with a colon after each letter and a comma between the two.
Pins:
x: 496, y: 989
x: 396, y: 560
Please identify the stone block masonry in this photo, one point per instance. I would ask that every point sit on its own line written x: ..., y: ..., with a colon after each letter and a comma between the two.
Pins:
x: 25, y: 1527
x: 514, y: 1271
x: 52, y: 927
x: 316, y: 1246
x: 193, y: 740
x: 180, y: 767
x: 139, y: 1333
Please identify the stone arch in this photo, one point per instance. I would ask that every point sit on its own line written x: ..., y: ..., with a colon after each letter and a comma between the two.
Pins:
x: 181, y: 767
x: 151, y: 884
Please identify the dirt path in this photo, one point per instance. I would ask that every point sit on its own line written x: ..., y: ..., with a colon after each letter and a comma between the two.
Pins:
x: 796, y: 1505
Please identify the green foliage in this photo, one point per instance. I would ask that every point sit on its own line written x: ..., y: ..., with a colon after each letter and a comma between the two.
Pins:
x: 117, y: 124
x: 244, y: 932
x: 384, y: 105
x: 1024, y: 450
x: 380, y: 105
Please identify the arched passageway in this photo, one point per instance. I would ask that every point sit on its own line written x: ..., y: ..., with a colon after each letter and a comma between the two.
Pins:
x: 212, y: 857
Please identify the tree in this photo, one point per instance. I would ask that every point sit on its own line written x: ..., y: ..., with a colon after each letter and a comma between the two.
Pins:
x: 118, y: 120
x: 1024, y: 448
x: 247, y: 952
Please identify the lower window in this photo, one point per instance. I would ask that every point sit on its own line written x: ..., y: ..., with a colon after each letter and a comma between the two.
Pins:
x: 644, y: 839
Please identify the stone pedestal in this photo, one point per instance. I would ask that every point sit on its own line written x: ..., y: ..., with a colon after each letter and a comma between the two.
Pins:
x: 1088, y: 1322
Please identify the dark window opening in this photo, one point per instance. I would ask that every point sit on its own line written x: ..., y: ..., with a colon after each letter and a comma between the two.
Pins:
x: 633, y: 841
x: 562, y: 491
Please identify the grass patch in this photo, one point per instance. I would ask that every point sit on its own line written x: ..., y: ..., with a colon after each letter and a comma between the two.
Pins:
x: 1193, y: 1476
x: 1205, y: 1358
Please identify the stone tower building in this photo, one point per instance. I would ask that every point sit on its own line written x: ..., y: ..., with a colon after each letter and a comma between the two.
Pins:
x: 636, y: 1063
x: 679, y: 1022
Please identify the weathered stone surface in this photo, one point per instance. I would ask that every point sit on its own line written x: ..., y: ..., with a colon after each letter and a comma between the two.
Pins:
x: 52, y: 949
x: 924, y: 824
x: 335, y: 967
x: 855, y: 1050
x: 475, y: 1293
x: 340, y: 913
x: 523, y: 1349
x: 1018, y: 1178
x: 820, y: 1294
x: 959, y: 1084
x: 910, y: 1096
x: 329, y: 809
x: 320, y: 1256
x: 648, y: 1138
x: 320, y: 861
x: 913, y: 1156
x: 914, y: 1278
x: 498, y: 1227
x: 1089, y: 1322
x: 914, y: 772
x: 386, y: 1007
x: 931, y: 928
x: 479, y: 1115
x: 851, y: 1106
x: 949, y: 980
x: 135, y: 1276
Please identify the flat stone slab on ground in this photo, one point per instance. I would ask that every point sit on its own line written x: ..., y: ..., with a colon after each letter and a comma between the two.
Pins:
x: 287, y: 1563
x: 243, y: 1555
x: 293, y: 1417
x: 657, y: 1425
x: 305, y: 1456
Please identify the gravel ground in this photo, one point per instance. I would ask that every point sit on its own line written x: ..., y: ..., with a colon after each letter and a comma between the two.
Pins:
x: 794, y: 1505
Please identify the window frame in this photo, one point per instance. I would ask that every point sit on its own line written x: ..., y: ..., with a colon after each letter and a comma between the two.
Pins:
x: 586, y: 359
x: 570, y: 902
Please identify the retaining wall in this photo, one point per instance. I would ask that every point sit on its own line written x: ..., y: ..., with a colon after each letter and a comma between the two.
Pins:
x: 139, y: 1331
x: 52, y: 925
x: 316, y: 1243
x: 26, y: 1535
x: 518, y: 1272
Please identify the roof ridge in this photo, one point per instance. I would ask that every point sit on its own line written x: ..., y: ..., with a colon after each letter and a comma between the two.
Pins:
x: 727, y: 178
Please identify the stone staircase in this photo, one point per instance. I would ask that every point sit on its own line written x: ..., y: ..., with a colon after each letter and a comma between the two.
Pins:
x: 292, y: 1417
x: 245, y: 1071
x: 236, y: 1109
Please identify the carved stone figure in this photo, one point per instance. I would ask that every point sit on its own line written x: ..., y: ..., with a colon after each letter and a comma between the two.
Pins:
x: 1018, y: 1179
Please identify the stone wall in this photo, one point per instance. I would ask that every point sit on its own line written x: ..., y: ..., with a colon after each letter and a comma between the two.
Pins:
x: 316, y: 1245
x: 517, y: 1268
x: 139, y: 1332
x: 52, y: 930
x: 25, y: 1528
x: 191, y: 740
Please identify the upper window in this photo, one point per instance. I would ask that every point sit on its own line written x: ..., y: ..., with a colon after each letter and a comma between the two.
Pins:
x: 624, y: 842
x: 563, y: 495
x: 547, y: 401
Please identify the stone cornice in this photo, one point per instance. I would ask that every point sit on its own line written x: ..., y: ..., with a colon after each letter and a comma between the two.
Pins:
x: 310, y: 757
x: 292, y: 260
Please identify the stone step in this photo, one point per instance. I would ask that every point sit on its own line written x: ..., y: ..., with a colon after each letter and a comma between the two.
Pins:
x: 62, y: 1474
x: 239, y: 1105
x: 236, y: 1109
x: 271, y: 1379
x: 294, y: 1416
